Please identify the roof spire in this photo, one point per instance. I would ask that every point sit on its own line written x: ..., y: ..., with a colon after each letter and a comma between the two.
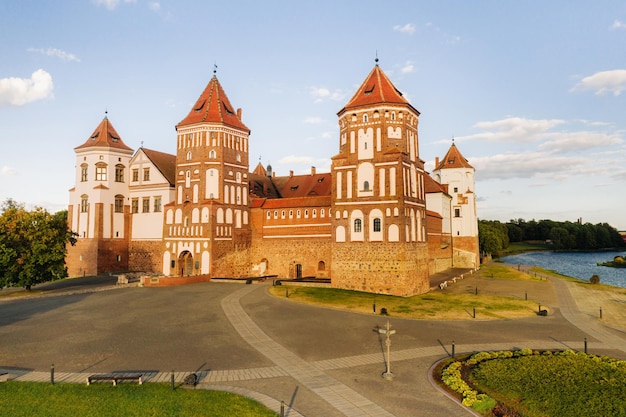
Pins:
x: 376, y: 59
x: 106, y: 113
x: 214, y: 69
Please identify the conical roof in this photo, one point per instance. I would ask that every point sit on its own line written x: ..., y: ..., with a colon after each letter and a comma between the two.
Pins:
x: 213, y: 106
x: 376, y: 89
x: 106, y: 136
x: 453, y: 159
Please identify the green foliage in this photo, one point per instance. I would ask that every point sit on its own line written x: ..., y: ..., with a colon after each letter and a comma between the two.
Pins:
x: 493, y: 236
x: 595, y: 279
x: 566, y: 235
x: 32, y: 399
x: 32, y: 245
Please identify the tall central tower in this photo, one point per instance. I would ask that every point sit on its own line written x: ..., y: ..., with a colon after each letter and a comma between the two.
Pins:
x: 209, y: 218
x: 378, y: 204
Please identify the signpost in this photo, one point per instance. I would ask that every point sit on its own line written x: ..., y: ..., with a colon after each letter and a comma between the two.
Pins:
x: 387, y: 331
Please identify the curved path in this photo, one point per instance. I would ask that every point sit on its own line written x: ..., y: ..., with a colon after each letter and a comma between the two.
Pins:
x: 343, y: 381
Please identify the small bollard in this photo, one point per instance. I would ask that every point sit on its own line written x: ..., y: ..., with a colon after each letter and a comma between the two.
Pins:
x: 287, y: 293
x: 539, y: 308
x: 600, y: 312
x: 374, y: 307
x: 172, y: 381
x: 585, y: 345
x: 526, y: 295
x: 453, y: 348
x: 282, y: 409
x: 474, y: 312
x: 476, y: 291
x: 52, y: 374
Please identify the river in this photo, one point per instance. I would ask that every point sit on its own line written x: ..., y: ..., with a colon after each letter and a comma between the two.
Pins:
x: 580, y: 265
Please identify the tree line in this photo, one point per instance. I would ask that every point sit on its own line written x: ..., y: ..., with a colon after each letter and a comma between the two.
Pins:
x: 495, y: 236
x: 32, y: 245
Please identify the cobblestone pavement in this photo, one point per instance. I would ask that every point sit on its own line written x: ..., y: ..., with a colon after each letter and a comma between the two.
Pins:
x: 318, y: 362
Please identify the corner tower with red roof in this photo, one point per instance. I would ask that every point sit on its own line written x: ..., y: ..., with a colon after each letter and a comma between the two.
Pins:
x: 98, y: 210
x: 455, y: 171
x: 378, y: 202
x: 206, y: 229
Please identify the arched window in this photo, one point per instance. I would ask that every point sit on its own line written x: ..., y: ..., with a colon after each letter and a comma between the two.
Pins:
x: 83, y: 172
x: 366, y: 186
x: 365, y: 118
x: 212, y: 154
x: 377, y: 224
x: 84, y: 203
x: 321, y: 266
x: 358, y: 225
x: 119, y: 173
x: 101, y: 171
x: 119, y: 203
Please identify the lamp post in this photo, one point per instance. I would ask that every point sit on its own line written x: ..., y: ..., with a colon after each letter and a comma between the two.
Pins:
x: 387, y: 331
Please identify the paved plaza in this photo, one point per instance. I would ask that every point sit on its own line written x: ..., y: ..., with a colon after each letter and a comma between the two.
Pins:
x: 236, y: 337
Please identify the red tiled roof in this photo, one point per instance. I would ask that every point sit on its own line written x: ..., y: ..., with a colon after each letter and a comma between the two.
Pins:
x: 104, y: 136
x: 164, y: 162
x: 376, y: 89
x: 304, y: 185
x: 432, y: 186
x: 453, y: 159
x: 433, y: 214
x: 213, y: 106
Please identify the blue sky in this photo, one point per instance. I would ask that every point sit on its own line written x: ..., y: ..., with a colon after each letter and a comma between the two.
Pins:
x: 533, y: 93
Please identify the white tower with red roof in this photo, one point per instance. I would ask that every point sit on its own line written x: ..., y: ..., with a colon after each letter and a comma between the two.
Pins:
x: 98, y: 211
x: 456, y: 172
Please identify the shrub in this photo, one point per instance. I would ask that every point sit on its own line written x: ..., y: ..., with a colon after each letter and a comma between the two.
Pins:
x: 595, y: 279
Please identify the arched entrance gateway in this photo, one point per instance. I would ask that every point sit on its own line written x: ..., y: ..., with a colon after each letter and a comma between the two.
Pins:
x: 185, y: 263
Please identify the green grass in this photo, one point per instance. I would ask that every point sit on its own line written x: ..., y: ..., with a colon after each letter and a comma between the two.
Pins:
x: 529, y: 246
x: 568, y: 384
x: 432, y: 305
x: 32, y: 399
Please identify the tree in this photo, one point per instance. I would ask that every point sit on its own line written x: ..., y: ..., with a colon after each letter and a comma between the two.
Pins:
x: 492, y: 236
x: 32, y: 245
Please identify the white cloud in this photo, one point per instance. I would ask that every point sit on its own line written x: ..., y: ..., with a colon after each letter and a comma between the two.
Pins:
x: 409, y: 28
x: 617, y: 24
x: 526, y: 165
x: 579, y: 141
x: 57, y: 53
x: 19, y: 91
x: 513, y: 129
x: 321, y: 93
x: 111, y: 4
x: 407, y: 68
x: 155, y: 6
x: 603, y: 82
x: 6, y: 170
x: 313, y: 120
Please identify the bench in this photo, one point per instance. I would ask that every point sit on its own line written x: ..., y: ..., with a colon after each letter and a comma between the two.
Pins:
x: 115, y: 378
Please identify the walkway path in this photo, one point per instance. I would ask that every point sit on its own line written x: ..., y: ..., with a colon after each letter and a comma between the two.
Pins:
x: 322, y: 377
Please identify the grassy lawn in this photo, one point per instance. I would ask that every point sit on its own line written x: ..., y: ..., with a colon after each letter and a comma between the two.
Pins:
x: 520, y: 247
x: 32, y: 399
x: 432, y: 305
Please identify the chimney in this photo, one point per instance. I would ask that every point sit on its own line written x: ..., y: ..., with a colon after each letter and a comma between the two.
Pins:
x: 312, y: 170
x: 290, y: 173
x: 436, y: 162
x: 239, y: 113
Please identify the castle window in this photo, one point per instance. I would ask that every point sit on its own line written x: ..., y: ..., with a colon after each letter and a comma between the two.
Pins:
x: 366, y: 186
x: 269, y: 215
x: 84, y: 203
x: 298, y: 214
x: 119, y: 173
x: 377, y: 224
x: 291, y: 214
x: 393, y: 115
x: 135, y: 175
x: 365, y: 118
x: 275, y: 214
x: 146, y: 174
x: 83, y: 172
x: 157, y: 204
x: 145, y: 205
x: 314, y: 213
x: 282, y: 214
x: 134, y: 205
x: 212, y: 154
x: 358, y: 225
x: 457, y: 212
x: 238, y: 157
x: 306, y: 214
x: 321, y: 266
x: 189, y: 156
x: 101, y: 171
x: 456, y: 189
x: 119, y: 203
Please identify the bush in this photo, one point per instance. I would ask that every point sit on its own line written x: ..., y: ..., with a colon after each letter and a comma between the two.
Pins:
x: 595, y: 279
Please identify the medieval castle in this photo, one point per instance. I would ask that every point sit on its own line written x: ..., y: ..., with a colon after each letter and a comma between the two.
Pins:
x: 377, y: 222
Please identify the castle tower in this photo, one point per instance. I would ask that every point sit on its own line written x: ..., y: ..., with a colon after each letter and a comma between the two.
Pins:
x: 207, y: 225
x: 457, y: 173
x: 378, y: 200
x: 98, y: 211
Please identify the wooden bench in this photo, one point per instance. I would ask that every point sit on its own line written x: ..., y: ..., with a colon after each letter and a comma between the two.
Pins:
x: 115, y: 378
